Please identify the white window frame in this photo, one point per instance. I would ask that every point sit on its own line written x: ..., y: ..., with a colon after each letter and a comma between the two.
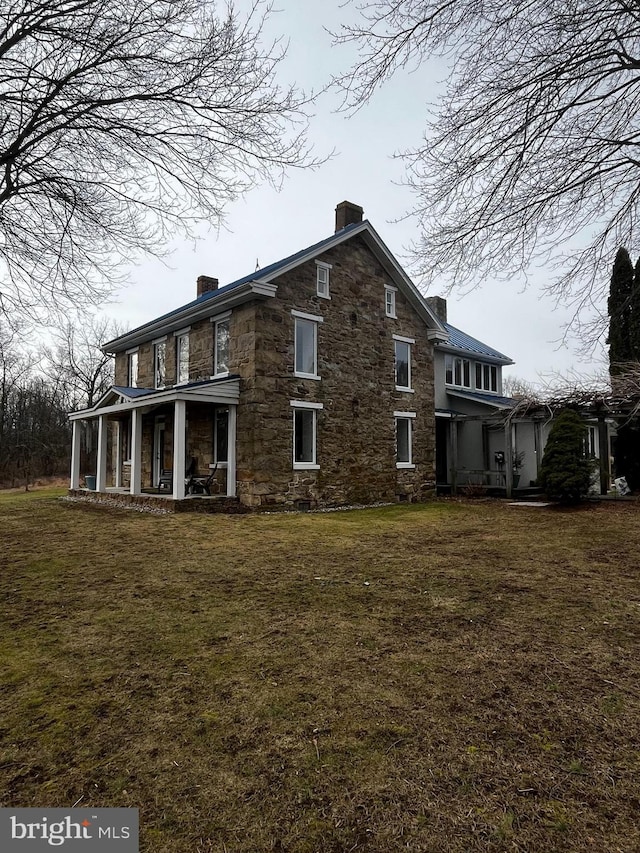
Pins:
x: 408, y: 417
x: 399, y: 339
x: 132, y: 382
x: 450, y: 364
x: 217, y: 322
x: 221, y: 463
x: 304, y: 405
x: 322, y: 280
x: 390, y: 301
x: 313, y: 319
x: 181, y: 335
x: 482, y: 367
x: 160, y: 342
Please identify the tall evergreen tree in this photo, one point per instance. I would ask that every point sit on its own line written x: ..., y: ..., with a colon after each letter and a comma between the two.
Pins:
x: 634, y: 331
x: 619, y: 306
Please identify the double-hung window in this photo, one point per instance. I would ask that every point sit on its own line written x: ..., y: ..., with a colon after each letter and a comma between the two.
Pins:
x: 306, y: 344
x: 322, y: 280
x: 457, y: 371
x: 486, y: 377
x: 132, y: 369
x: 220, y: 346
x: 403, y: 362
x: 160, y: 362
x: 182, y: 356
x: 390, y: 300
x: 404, y: 439
x: 305, y: 428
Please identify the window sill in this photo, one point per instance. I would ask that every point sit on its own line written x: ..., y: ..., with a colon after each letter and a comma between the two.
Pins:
x: 405, y: 465
x: 405, y: 390
x: 323, y: 296
x: 392, y: 316
x: 305, y: 466
x: 307, y: 376
x: 219, y: 375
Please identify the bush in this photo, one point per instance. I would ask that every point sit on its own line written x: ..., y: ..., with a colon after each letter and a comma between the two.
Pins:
x: 565, y: 473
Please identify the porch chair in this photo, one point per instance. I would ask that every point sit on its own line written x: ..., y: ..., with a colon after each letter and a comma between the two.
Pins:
x: 202, y: 485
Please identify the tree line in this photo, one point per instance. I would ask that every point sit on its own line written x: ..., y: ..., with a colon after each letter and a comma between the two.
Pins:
x: 39, y: 388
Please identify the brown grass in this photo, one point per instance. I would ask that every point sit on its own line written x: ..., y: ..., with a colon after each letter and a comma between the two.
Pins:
x: 451, y: 677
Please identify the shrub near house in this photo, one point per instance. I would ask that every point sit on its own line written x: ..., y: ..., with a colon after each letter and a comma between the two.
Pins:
x: 565, y: 473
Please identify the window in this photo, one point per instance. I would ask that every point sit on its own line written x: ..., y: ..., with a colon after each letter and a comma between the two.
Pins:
x: 457, y: 371
x: 221, y: 347
x: 221, y: 436
x: 404, y: 436
x: 132, y: 369
x: 403, y: 362
x: 591, y: 442
x: 389, y: 301
x: 182, y: 357
x: 159, y: 363
x: 486, y: 377
x: 306, y: 345
x: 305, y: 417
x: 322, y: 279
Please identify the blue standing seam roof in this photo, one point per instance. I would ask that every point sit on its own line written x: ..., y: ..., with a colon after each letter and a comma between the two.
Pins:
x: 141, y: 392
x: 461, y: 340
x: 478, y: 396
x: 263, y: 272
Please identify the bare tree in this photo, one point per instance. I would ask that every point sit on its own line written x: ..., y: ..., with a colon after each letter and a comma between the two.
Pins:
x: 75, y: 364
x: 535, y: 141
x: 121, y: 122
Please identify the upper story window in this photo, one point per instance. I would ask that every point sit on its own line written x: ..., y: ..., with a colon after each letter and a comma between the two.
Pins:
x: 486, y: 377
x: 306, y: 344
x: 390, y: 300
x: 457, y: 371
x: 322, y: 279
x: 221, y: 346
x: 160, y: 363
x: 403, y: 362
x: 182, y: 356
x: 132, y: 369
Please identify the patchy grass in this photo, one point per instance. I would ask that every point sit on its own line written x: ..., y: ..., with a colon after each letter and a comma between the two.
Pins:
x: 450, y: 677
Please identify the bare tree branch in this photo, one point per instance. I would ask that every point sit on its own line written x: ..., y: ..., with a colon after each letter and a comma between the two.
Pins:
x: 121, y: 123
x: 535, y: 141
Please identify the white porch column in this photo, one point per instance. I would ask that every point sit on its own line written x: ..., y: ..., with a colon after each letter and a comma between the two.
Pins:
x: 101, y: 468
x: 118, y: 456
x: 231, y: 452
x: 136, y: 452
x: 75, y: 454
x: 179, y: 448
x: 508, y: 458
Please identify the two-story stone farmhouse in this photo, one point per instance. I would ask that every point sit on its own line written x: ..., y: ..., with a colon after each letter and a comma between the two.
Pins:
x: 308, y: 383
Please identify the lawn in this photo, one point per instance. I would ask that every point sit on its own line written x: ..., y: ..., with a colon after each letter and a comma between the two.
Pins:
x: 458, y: 676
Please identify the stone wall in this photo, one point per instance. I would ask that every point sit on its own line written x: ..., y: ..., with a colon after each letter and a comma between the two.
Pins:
x: 356, y: 357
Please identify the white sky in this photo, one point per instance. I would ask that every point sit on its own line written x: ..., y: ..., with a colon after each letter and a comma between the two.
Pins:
x: 269, y: 224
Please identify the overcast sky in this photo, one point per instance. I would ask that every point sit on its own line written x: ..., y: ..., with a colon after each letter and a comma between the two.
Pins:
x: 269, y: 223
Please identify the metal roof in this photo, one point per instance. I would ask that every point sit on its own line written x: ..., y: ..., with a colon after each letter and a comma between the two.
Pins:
x: 461, y: 341
x: 480, y: 397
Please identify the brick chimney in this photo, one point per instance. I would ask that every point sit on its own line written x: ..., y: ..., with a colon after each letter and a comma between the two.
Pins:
x: 347, y: 213
x: 439, y: 306
x: 205, y: 284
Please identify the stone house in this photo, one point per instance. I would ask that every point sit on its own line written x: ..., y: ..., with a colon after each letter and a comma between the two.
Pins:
x: 307, y: 383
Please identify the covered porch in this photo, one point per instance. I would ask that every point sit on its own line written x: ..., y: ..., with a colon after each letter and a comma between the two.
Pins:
x: 161, y: 441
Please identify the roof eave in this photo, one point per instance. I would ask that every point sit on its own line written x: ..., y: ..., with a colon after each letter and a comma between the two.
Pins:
x: 191, y: 314
x: 504, y: 360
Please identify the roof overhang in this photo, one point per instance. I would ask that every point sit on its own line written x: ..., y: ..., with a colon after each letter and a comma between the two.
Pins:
x: 497, y: 403
x: 447, y: 347
x: 116, y: 401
